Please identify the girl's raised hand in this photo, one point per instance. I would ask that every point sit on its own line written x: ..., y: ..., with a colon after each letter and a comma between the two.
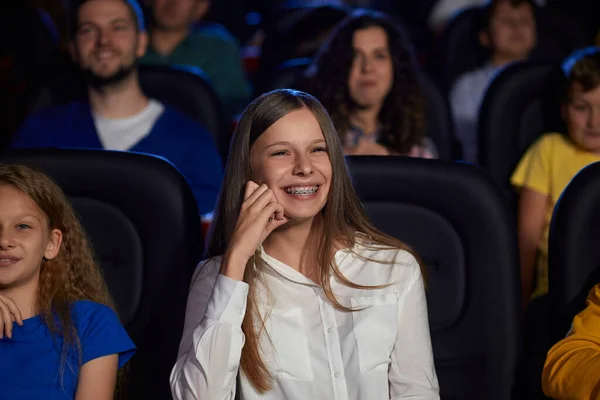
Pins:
x: 260, y: 215
x: 9, y: 313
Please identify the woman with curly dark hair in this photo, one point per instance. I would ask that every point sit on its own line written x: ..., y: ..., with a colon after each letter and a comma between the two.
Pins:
x: 367, y: 79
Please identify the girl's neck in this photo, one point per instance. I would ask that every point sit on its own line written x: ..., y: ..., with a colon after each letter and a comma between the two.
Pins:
x: 25, y: 297
x: 289, y: 243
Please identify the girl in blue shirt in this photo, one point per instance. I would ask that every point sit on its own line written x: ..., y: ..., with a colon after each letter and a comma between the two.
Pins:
x: 59, y: 335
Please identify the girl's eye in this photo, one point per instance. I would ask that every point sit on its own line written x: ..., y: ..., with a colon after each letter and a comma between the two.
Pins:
x: 279, y: 153
x: 23, y: 226
x: 321, y: 149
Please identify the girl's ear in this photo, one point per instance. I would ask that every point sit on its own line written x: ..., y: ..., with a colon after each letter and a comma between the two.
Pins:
x: 54, y: 243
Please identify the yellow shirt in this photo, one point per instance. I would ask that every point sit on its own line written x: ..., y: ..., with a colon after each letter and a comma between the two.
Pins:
x: 547, y: 167
x: 572, y: 369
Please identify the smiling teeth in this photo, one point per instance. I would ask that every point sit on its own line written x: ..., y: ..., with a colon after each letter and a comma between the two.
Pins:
x: 304, y: 191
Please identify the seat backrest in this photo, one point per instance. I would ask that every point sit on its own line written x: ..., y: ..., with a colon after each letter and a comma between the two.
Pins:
x: 289, y: 74
x: 439, y: 123
x: 558, y: 36
x: 517, y: 107
x: 455, y: 217
x: 439, y: 126
x: 295, y: 32
x: 145, y: 228
x: 189, y: 90
x: 184, y: 88
x: 573, y: 244
x: 458, y: 50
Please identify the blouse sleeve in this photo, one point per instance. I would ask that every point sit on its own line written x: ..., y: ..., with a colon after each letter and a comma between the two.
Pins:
x: 211, y: 346
x: 412, y: 372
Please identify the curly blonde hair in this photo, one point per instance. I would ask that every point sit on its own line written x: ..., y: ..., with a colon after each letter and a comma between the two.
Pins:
x: 73, y: 274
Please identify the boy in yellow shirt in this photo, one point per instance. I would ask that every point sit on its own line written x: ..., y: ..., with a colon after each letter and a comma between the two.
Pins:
x: 552, y: 161
x: 572, y: 369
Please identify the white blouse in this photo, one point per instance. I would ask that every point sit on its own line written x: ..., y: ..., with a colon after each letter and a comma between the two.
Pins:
x: 316, y: 351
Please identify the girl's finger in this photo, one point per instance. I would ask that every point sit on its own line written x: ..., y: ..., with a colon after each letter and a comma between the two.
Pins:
x: 14, y: 310
x: 254, y: 196
x: 5, y: 321
x: 250, y: 188
x: 275, y: 222
x: 267, y: 197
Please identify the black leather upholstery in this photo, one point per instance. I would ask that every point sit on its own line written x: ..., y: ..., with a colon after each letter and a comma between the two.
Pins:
x: 184, y: 88
x: 458, y: 221
x: 294, y: 31
x: 189, y: 90
x: 458, y: 50
x: 289, y: 74
x: 143, y: 222
x: 573, y: 254
x: 520, y: 104
x: 439, y: 123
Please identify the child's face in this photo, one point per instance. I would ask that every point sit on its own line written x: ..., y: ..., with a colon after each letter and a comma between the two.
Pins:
x: 512, y: 31
x: 582, y: 115
x: 291, y: 158
x: 24, y: 239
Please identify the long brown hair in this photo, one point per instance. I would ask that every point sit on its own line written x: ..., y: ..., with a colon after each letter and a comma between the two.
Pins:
x: 73, y: 274
x: 402, y: 116
x: 341, y: 218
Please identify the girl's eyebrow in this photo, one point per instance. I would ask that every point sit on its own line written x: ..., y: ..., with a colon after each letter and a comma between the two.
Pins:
x: 288, y: 143
x: 25, y: 215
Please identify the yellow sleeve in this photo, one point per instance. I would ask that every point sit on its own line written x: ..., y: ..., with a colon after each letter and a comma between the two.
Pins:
x: 572, y: 369
x: 533, y: 171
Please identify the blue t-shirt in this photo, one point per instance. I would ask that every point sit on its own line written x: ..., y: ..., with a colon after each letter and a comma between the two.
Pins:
x: 30, y: 362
